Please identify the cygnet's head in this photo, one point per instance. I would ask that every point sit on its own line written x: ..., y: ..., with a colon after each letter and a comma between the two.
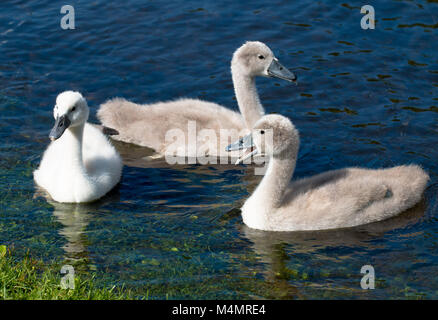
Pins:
x: 71, y: 110
x: 273, y: 136
x: 254, y: 58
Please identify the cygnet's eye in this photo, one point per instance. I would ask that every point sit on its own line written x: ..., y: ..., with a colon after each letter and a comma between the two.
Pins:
x: 261, y: 57
x: 262, y: 131
x: 73, y: 109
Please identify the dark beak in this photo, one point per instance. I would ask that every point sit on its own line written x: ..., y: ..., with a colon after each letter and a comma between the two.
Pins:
x: 277, y: 70
x: 58, y: 129
x: 244, y: 143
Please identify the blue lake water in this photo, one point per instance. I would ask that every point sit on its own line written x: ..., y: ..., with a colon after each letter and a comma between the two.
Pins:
x: 364, y: 98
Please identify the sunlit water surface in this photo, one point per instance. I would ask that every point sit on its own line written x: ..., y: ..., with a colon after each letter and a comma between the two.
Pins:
x: 365, y: 98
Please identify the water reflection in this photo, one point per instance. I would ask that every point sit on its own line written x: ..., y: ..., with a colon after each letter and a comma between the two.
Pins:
x: 272, y: 248
x: 75, y: 218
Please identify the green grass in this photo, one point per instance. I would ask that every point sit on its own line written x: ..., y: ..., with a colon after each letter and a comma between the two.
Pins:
x: 32, y: 279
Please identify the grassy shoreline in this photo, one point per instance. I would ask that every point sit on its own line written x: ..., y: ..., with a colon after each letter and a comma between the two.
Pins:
x: 32, y: 279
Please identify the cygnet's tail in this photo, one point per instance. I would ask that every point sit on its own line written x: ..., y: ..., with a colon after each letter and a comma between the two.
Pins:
x: 117, y: 113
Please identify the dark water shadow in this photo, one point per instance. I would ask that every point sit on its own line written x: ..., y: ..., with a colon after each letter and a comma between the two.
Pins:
x: 134, y: 155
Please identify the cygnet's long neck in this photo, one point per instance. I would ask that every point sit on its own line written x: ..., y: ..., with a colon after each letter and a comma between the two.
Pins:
x: 247, y: 98
x: 277, y: 177
x: 72, y: 142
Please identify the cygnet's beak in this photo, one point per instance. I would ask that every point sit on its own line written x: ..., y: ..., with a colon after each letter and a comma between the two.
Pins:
x: 61, y: 124
x: 277, y: 70
x: 243, y: 143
